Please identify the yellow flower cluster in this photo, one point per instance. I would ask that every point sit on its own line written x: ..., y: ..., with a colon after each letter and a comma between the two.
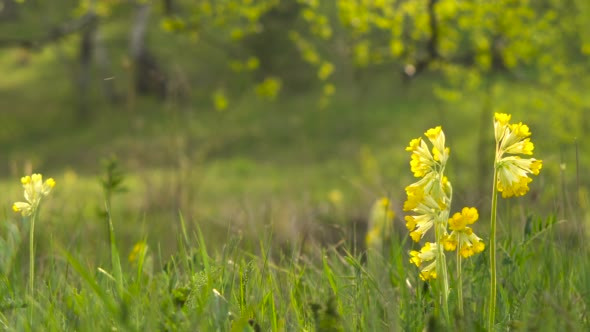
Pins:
x: 426, y: 254
x: 380, y: 222
x: 35, y: 190
x: 462, y: 236
x: 430, y: 200
x: 139, y: 250
x: 512, y: 140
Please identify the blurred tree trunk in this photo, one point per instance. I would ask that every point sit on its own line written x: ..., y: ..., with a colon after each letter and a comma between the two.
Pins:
x: 104, y: 63
x: 277, y: 54
x: 87, y: 46
x: 149, y: 78
x: 168, y: 6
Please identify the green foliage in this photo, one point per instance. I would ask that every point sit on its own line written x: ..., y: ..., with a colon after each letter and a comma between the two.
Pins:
x: 279, y: 192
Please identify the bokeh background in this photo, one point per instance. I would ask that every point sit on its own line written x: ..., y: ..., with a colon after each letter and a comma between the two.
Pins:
x: 282, y: 117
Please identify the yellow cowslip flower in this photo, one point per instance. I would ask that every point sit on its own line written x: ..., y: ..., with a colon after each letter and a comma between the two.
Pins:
x: 426, y: 255
x: 335, y: 196
x: 427, y: 211
x: 139, y: 250
x: 513, y: 171
x: 437, y: 137
x: 462, y: 236
x: 35, y: 190
x: 428, y: 198
x: 380, y: 222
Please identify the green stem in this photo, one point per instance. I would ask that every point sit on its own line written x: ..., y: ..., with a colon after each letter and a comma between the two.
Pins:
x: 441, y: 267
x: 32, y: 262
x: 459, y: 284
x: 492, y: 307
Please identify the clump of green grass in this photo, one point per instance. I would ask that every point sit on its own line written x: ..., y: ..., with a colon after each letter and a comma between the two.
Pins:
x: 248, y: 285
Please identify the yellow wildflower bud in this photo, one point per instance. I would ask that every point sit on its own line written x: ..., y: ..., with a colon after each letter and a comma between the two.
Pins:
x: 449, y: 244
x: 433, y: 133
x: 34, y: 191
x: 466, y: 251
x: 470, y: 214
x: 536, y: 166
x: 139, y: 250
x: 478, y: 247
x: 414, y: 258
x: 460, y: 220
x: 414, y: 144
x: 520, y: 129
x: 410, y: 222
x: 502, y: 118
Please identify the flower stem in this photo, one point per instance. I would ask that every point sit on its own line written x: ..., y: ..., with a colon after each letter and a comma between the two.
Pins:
x: 442, y: 268
x: 459, y: 284
x: 492, y: 299
x: 32, y: 263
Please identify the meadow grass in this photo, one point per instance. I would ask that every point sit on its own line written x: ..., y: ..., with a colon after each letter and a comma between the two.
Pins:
x: 241, y: 232
x: 248, y: 285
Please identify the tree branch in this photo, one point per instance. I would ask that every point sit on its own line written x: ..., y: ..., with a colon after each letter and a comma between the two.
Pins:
x: 54, y: 34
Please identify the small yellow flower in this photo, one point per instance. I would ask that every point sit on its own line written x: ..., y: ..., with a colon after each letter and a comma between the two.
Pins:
x: 460, y: 220
x: 433, y: 133
x: 35, y: 189
x: 437, y: 138
x: 414, y: 144
x: 462, y: 236
x: 502, y: 118
x: 427, y: 210
x: 512, y: 140
x: 425, y: 259
x: 449, y: 243
x: 139, y: 250
x: 335, y: 196
x: 380, y: 222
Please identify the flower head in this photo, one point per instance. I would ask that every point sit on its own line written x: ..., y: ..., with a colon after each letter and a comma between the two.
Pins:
x: 513, y: 171
x: 139, y: 250
x: 462, y: 236
x: 430, y: 195
x: 35, y: 190
x: 380, y: 222
x: 429, y: 200
x: 425, y: 259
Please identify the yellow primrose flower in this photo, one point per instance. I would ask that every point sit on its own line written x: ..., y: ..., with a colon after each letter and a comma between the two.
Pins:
x: 414, y: 144
x: 437, y: 138
x: 500, y: 125
x: 35, y: 190
x: 380, y: 222
x: 513, y: 170
x: 462, y: 236
x: 427, y: 211
x: 139, y: 250
x: 335, y: 197
x: 422, y: 161
x: 429, y: 199
x: 426, y: 255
